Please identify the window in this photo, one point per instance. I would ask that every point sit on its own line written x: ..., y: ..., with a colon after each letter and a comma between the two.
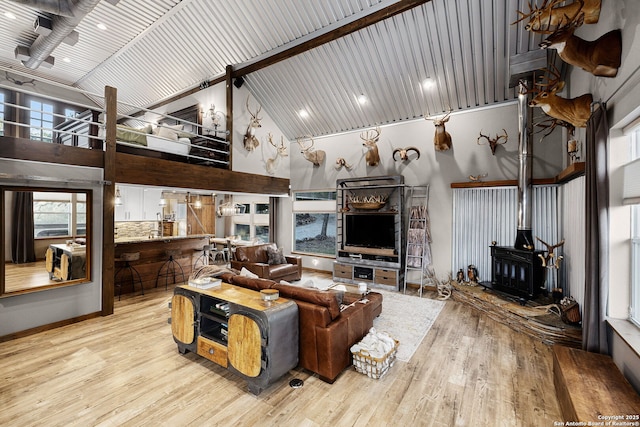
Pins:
x: 253, y: 224
x: 1, y: 114
x: 314, y: 222
x: 635, y: 240
x: 40, y: 121
x: 59, y: 214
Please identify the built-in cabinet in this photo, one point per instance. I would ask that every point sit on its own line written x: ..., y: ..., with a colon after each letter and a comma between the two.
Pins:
x: 138, y: 203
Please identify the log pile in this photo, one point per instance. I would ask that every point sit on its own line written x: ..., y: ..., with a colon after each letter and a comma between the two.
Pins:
x: 539, y: 321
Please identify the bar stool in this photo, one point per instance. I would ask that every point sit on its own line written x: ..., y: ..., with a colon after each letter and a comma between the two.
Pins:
x: 170, y: 268
x: 127, y: 270
x: 206, y: 257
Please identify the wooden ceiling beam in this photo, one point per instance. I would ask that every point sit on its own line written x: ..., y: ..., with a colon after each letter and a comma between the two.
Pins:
x: 303, y: 46
x: 352, y: 27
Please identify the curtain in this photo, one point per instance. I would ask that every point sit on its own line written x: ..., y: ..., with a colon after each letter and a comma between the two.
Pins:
x: 22, y: 242
x: 273, y: 218
x: 594, y: 334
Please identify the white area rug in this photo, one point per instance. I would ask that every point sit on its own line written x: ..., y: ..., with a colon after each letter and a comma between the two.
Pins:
x: 406, y: 318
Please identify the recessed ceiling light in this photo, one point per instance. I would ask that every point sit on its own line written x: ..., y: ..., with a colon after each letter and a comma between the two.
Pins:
x: 362, y: 99
x: 10, y: 15
x: 101, y: 26
x: 428, y: 83
x: 303, y: 114
x: 65, y: 59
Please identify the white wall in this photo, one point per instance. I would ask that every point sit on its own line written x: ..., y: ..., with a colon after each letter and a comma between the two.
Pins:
x: 255, y: 161
x: 22, y: 312
x: 438, y: 169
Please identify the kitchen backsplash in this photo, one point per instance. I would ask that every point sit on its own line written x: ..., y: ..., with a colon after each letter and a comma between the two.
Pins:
x: 135, y: 228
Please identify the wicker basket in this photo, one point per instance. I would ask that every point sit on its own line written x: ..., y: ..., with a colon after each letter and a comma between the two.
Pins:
x: 374, y: 367
x: 570, y: 312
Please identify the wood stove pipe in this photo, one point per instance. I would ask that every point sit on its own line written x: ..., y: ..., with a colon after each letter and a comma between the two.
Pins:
x: 524, y: 237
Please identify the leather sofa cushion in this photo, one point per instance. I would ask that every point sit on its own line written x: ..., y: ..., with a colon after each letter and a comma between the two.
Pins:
x: 322, y: 298
x: 256, y: 253
x: 280, y: 270
x: 253, y: 284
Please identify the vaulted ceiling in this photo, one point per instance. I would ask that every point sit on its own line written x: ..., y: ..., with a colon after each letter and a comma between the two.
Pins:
x: 153, y: 50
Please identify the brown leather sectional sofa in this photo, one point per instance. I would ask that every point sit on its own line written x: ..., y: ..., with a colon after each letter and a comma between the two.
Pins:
x: 326, y: 333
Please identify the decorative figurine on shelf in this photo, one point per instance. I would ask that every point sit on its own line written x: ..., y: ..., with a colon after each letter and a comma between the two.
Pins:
x: 472, y: 275
x: 460, y: 276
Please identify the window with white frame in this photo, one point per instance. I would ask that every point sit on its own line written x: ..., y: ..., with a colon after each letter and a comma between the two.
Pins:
x: 635, y: 240
x: 40, y: 121
x: 59, y: 214
x: 253, y: 224
x: 314, y: 222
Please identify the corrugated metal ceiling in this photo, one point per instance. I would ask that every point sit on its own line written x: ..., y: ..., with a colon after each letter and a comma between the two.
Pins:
x: 154, y: 49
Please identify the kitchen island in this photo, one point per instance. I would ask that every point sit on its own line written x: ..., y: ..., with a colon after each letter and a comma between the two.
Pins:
x: 153, y: 254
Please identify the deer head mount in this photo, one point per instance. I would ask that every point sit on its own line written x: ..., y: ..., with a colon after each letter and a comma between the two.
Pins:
x: 548, y: 15
x: 404, y: 153
x: 314, y: 156
x: 281, y: 151
x: 441, y: 139
x: 493, y: 143
x: 370, y: 139
x: 575, y: 111
x: 341, y: 162
x: 601, y: 57
x: 250, y: 141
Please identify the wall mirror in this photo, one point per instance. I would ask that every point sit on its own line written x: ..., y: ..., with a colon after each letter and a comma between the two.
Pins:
x: 46, y: 238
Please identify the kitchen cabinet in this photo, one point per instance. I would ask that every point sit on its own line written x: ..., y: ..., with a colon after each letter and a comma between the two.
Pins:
x: 151, y: 203
x: 138, y: 203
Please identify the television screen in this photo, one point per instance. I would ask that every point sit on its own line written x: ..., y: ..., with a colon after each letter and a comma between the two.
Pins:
x: 371, y: 231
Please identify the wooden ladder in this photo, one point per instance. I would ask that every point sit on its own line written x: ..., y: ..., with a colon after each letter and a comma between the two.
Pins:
x: 418, y: 250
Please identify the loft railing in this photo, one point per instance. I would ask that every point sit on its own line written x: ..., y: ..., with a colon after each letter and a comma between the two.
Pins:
x: 85, y: 127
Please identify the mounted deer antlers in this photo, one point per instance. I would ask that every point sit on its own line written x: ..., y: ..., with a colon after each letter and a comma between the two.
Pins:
x: 575, y: 111
x: 250, y: 141
x: 370, y: 139
x: 281, y: 151
x: 493, y: 143
x: 314, y: 156
x: 601, y: 57
x: 404, y: 153
x: 341, y: 162
x: 548, y: 15
x: 441, y: 139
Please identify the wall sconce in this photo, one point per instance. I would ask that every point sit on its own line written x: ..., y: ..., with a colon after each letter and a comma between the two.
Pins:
x: 118, y: 199
x: 198, y: 202
x: 162, y: 202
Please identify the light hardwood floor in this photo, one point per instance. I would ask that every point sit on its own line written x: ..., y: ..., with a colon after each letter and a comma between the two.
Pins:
x: 125, y: 370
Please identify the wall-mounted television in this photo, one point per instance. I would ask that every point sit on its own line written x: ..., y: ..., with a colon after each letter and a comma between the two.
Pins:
x: 376, y: 231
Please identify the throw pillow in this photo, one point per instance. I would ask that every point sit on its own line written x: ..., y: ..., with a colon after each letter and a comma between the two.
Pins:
x: 246, y: 273
x: 275, y: 256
